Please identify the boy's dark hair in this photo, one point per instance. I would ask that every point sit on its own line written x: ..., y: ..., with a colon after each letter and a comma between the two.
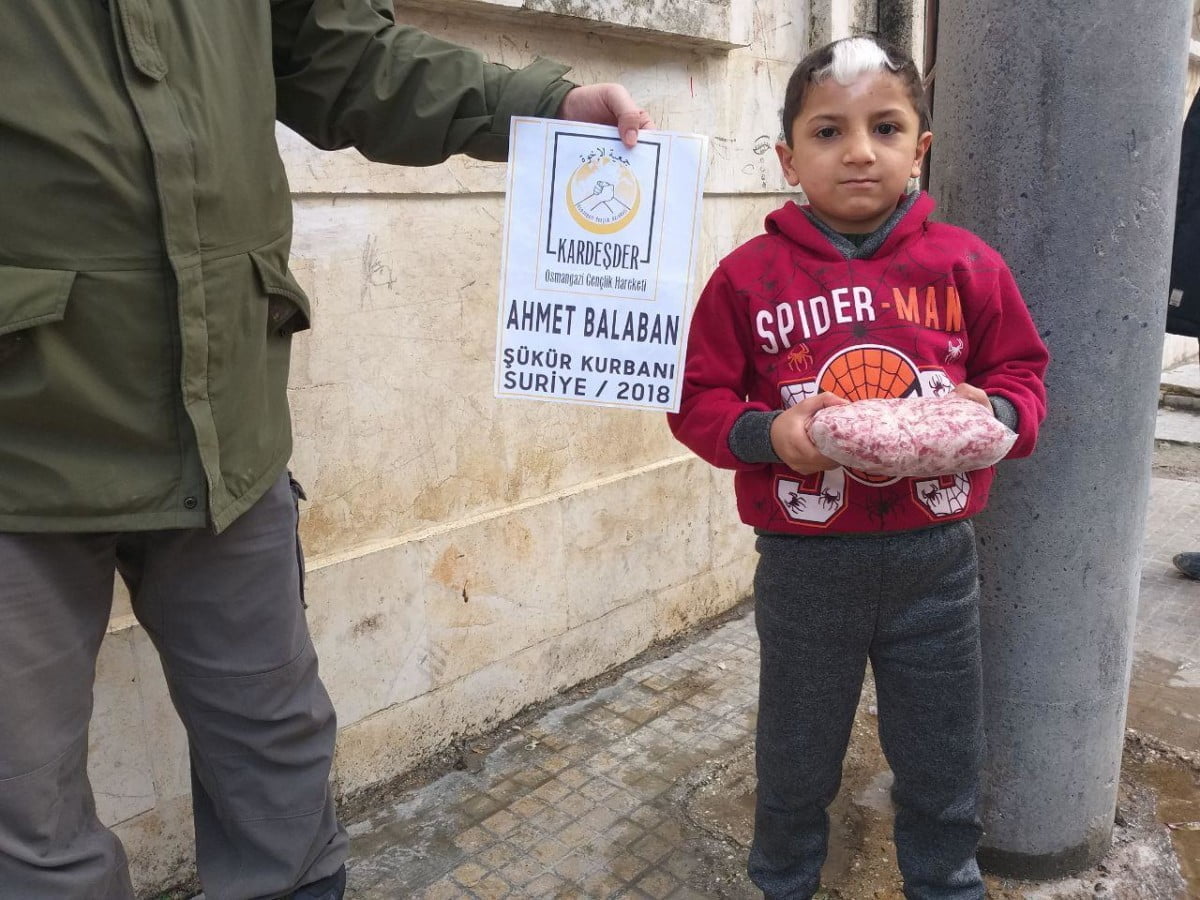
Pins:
x: 898, y: 62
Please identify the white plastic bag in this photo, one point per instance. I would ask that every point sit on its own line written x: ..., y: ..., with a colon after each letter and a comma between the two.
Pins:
x: 918, y: 437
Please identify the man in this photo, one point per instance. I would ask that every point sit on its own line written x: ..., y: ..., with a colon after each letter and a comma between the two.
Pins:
x: 1183, y: 307
x: 146, y: 312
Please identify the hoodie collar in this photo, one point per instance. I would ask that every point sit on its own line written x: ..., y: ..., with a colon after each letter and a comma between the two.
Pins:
x: 800, y: 226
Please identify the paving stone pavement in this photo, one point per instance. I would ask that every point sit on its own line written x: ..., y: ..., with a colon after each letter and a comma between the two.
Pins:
x: 589, y: 802
x: 599, y: 798
x: 581, y: 804
x: 586, y: 802
x: 1164, y: 696
x: 1164, y: 693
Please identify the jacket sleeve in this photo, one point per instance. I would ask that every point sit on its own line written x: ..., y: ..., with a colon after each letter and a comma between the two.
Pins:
x: 347, y: 75
x: 1007, y: 357
x: 717, y: 376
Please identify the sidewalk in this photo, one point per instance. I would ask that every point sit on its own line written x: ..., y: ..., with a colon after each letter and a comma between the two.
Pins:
x: 645, y: 788
x: 1179, y: 410
x: 586, y: 802
x: 1164, y: 694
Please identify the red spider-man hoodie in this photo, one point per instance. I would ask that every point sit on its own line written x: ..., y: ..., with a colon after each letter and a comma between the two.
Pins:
x: 919, y: 307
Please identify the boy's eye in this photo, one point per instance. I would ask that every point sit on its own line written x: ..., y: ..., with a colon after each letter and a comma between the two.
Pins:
x: 827, y: 132
x: 887, y: 128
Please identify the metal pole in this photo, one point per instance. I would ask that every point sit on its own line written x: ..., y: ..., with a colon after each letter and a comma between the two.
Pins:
x: 1057, y: 140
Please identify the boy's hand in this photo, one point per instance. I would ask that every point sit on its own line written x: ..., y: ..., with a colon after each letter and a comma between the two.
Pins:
x: 970, y: 392
x: 606, y: 104
x: 789, y: 435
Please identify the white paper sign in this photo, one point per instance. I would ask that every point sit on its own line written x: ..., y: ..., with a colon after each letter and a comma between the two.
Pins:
x: 600, y: 245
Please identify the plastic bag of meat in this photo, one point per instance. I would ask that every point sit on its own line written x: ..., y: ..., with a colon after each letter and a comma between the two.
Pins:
x: 919, y: 437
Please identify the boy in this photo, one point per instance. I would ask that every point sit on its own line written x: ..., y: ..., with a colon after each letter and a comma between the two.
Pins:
x: 858, y: 295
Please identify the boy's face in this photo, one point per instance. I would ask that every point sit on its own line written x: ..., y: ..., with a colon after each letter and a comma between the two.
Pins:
x: 854, y: 147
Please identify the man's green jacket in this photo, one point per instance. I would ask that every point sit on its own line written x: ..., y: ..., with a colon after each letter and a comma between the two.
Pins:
x: 146, y: 308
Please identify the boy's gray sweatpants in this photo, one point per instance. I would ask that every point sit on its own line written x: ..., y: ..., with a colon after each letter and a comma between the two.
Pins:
x: 908, y: 602
x: 225, y: 613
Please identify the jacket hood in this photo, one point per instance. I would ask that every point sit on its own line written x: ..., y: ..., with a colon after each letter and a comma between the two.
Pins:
x: 792, y: 222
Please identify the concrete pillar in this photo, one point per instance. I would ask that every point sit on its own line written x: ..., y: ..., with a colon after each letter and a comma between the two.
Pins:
x: 1057, y: 140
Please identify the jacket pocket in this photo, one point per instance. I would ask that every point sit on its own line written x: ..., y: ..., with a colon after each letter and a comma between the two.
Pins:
x: 29, y: 298
x: 288, y: 307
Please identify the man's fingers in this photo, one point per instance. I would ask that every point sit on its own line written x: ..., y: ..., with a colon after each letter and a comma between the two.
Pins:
x: 630, y: 117
x: 630, y: 122
x: 606, y: 104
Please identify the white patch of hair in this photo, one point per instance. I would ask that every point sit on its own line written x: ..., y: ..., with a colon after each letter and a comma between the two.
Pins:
x: 853, y: 58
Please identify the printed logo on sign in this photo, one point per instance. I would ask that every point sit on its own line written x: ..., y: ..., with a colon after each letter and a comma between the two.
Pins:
x: 603, y: 211
x: 603, y: 194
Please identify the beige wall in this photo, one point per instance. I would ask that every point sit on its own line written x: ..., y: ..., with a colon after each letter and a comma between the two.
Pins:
x: 468, y: 557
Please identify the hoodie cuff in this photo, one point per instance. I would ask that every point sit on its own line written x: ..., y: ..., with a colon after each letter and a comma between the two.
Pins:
x: 750, y: 437
x: 1005, y: 411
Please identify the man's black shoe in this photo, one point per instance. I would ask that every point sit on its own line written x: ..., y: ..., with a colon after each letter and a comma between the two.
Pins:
x: 331, y: 888
x: 1188, y: 564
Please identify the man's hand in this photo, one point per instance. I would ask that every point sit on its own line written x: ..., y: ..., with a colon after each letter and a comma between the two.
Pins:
x: 606, y: 104
x: 970, y: 392
x: 789, y: 435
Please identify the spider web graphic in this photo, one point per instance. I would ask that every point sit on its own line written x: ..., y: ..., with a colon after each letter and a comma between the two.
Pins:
x: 871, y: 371
x: 856, y: 372
x: 946, y: 495
x: 822, y: 280
x: 908, y: 265
x: 781, y: 272
x: 788, y: 274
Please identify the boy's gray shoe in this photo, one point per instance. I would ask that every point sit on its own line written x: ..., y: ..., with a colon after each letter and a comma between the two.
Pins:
x: 1188, y: 564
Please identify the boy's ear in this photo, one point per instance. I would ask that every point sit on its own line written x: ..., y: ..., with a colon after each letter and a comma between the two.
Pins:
x: 784, y: 152
x: 923, y: 143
